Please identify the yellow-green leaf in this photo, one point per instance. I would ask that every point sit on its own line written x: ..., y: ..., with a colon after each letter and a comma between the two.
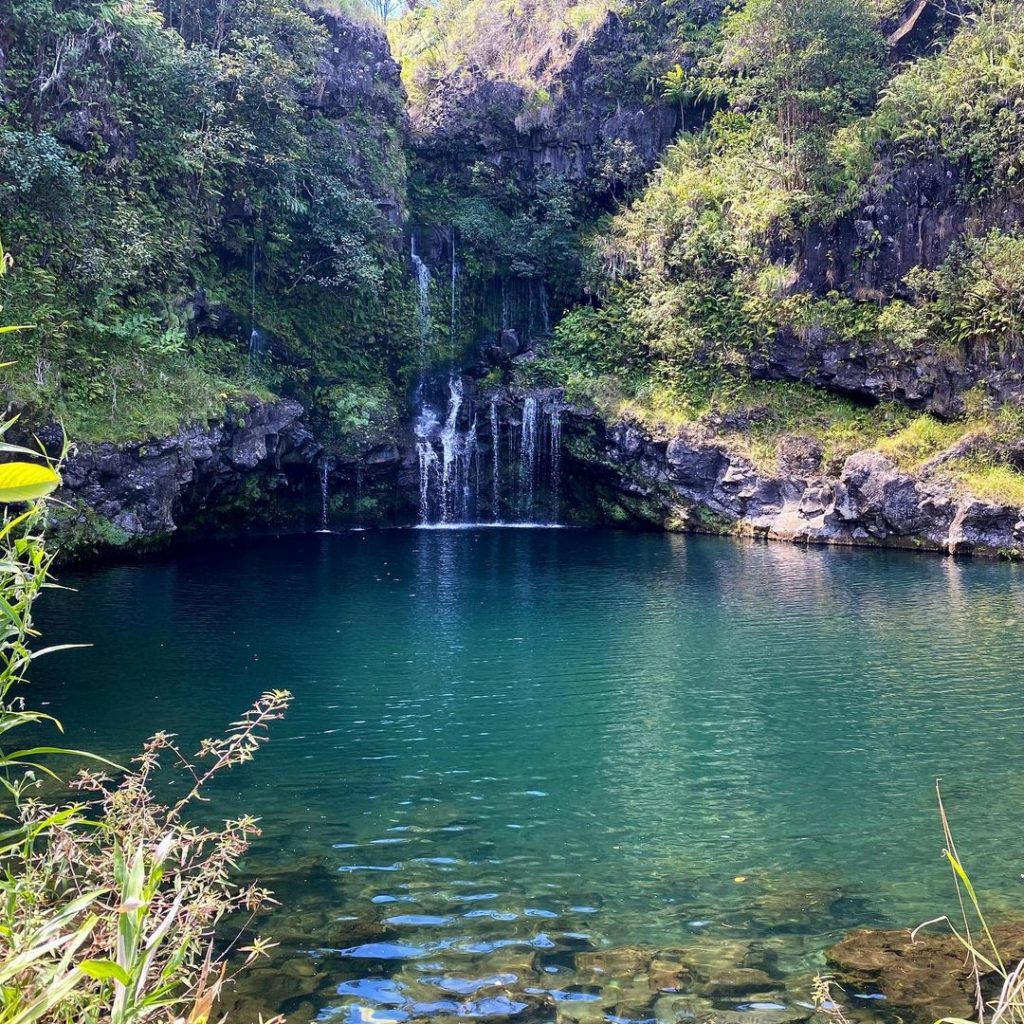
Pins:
x: 102, y: 970
x: 26, y: 481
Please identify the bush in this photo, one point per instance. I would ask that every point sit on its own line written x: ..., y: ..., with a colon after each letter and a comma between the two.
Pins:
x: 108, y: 903
x: 965, y: 103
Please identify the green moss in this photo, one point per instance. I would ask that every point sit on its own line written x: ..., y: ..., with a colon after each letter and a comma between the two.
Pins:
x: 84, y: 535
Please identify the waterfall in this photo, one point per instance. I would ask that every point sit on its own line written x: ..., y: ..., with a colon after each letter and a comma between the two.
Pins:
x: 325, y: 468
x: 450, y: 450
x: 495, y: 462
x: 255, y: 345
x: 467, y: 463
x: 423, y: 288
x: 528, y: 454
x: 454, y: 339
x: 555, y: 441
x: 428, y: 467
x: 255, y: 340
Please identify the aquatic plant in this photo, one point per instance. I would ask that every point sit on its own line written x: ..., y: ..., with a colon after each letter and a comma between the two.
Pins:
x: 984, y: 957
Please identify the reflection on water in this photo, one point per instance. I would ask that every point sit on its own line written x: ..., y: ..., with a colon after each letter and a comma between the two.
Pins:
x: 512, y: 751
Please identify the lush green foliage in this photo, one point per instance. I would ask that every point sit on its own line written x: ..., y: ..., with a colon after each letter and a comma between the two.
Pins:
x: 965, y: 103
x: 142, y: 165
x: 974, y: 302
x: 108, y: 902
x: 809, y: 64
x: 526, y: 42
x: 697, y: 275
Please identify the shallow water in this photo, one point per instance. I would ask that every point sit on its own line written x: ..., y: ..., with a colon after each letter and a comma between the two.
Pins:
x: 511, y: 746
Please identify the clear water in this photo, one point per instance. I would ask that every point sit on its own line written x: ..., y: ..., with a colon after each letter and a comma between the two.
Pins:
x: 510, y: 746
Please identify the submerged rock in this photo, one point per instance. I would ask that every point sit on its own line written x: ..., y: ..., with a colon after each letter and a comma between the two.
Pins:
x: 737, y: 981
x: 929, y: 977
x: 623, y: 961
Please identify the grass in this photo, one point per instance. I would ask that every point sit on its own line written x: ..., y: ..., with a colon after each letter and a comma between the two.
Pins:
x: 921, y: 439
x: 997, y: 483
x: 145, y: 405
x: 843, y: 427
x: 780, y: 410
x: 986, y: 960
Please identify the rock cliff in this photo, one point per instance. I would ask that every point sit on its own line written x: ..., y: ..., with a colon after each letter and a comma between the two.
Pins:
x: 694, y: 480
x: 143, y: 491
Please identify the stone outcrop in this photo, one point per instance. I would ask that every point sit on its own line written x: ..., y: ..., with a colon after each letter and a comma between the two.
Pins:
x: 357, y: 83
x: 146, y: 489
x: 911, y: 215
x: 925, y: 977
x: 695, y: 480
x: 931, y: 381
x: 595, y: 127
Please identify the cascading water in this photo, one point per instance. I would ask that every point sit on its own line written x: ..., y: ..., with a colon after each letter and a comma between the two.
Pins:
x: 495, y: 463
x: 528, y: 454
x: 422, y: 272
x: 450, y: 453
x: 452, y: 449
x: 325, y: 469
x: 428, y: 469
x: 254, y: 334
x: 555, y: 440
x: 453, y: 341
x: 452, y: 473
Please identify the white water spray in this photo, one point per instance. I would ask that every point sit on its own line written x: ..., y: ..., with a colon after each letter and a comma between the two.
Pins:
x: 423, y: 289
x: 555, y: 440
x: 325, y: 469
x: 495, y: 463
x: 528, y: 454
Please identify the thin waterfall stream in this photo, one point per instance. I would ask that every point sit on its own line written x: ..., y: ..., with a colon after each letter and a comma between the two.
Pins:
x: 325, y: 470
x: 451, y: 454
x: 495, y: 462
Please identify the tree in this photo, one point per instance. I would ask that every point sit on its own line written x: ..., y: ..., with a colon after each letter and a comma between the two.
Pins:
x: 812, y: 64
x: 387, y: 9
x: 678, y: 85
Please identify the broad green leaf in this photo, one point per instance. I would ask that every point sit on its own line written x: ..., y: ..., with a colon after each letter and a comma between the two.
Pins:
x: 102, y: 970
x: 26, y: 481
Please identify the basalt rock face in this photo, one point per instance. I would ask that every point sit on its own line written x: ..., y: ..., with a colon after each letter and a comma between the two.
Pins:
x: 595, y: 128
x: 695, y: 481
x: 146, y: 489
x: 927, y: 380
x: 910, y: 216
x: 358, y: 81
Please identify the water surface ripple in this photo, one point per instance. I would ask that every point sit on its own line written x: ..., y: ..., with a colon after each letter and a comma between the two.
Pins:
x: 511, y: 747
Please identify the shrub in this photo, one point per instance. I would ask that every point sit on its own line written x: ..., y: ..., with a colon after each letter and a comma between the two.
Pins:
x: 108, y: 903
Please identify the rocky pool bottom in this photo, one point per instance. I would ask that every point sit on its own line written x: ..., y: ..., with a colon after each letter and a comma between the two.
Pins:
x: 563, y: 774
x: 545, y: 970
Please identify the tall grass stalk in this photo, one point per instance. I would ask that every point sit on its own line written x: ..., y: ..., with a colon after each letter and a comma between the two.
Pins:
x: 981, y: 948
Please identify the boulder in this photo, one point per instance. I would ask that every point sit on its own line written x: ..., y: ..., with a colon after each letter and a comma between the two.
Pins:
x: 736, y: 981
x: 928, y: 977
